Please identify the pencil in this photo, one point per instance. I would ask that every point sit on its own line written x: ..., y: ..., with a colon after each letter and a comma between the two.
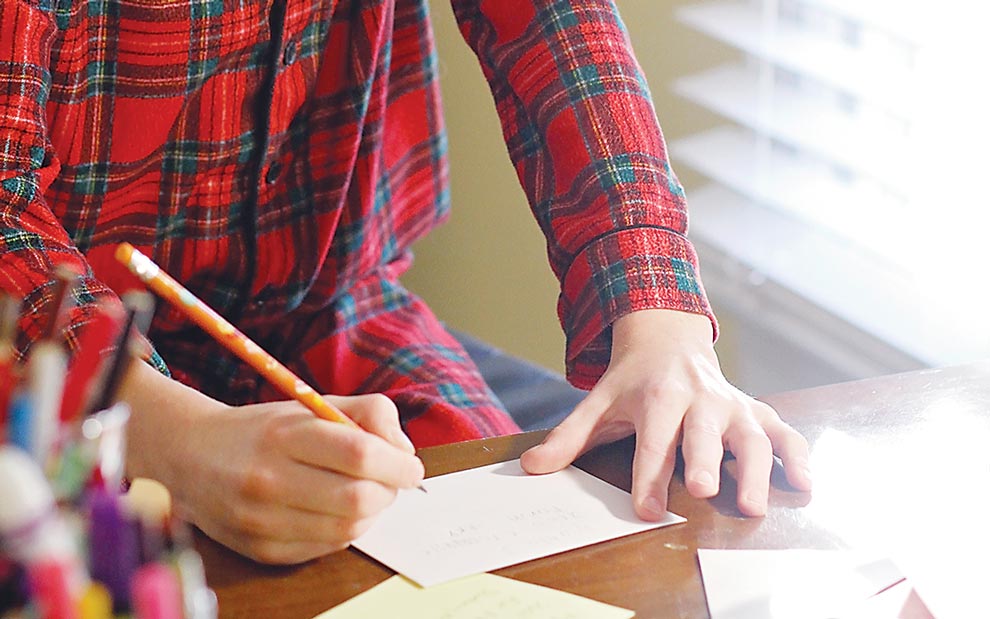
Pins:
x: 227, y: 335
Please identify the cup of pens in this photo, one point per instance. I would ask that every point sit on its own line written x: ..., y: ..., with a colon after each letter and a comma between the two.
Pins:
x: 72, y: 543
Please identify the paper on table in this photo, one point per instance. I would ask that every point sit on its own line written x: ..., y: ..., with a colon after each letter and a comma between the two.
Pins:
x: 482, y: 596
x: 777, y: 584
x: 490, y: 517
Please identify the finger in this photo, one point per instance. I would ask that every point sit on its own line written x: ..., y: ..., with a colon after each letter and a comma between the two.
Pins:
x: 754, y: 460
x: 654, y: 458
x: 358, y: 454
x: 792, y: 449
x: 702, y: 433
x: 278, y: 523
x: 273, y: 550
x: 375, y: 413
x: 565, y: 442
x: 319, y: 491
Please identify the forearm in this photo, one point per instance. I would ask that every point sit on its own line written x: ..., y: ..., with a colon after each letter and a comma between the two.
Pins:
x: 613, y: 211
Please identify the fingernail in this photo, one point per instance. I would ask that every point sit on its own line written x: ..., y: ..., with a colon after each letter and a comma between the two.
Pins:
x: 704, y: 479
x: 756, y: 504
x: 653, y: 507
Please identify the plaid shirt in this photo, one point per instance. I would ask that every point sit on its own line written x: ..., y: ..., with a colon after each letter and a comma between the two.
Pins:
x: 280, y: 157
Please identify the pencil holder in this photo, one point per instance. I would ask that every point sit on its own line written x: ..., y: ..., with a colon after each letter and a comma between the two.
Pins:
x: 72, y: 544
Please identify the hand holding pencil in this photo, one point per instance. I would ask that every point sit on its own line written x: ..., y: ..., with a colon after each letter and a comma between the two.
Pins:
x: 269, y: 480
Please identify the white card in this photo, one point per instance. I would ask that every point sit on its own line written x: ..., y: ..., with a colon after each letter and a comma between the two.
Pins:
x: 784, y: 584
x: 498, y: 515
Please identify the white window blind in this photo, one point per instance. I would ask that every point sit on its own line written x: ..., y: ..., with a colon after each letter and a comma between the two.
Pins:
x: 864, y: 120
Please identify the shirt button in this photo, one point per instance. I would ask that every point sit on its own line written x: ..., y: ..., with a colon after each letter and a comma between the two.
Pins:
x: 289, y: 53
x: 273, y: 171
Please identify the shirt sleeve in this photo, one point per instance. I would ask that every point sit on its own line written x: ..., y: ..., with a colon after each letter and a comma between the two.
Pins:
x: 580, y: 127
x: 32, y: 240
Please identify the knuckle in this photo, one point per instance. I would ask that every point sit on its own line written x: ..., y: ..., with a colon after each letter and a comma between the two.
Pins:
x: 248, y: 522
x: 258, y: 484
x: 657, y: 391
x: 654, y: 448
x: 272, y: 431
x: 764, y: 411
x: 357, y: 452
x: 382, y: 404
x: 360, y: 499
x: 703, y: 425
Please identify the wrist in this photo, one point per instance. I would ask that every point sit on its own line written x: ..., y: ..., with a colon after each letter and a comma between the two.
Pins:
x: 671, y: 325
x: 163, y: 414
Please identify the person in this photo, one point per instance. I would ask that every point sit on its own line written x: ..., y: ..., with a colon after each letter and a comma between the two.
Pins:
x: 279, y: 158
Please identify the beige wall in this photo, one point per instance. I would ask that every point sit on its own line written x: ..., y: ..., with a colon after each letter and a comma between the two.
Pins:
x: 486, y: 271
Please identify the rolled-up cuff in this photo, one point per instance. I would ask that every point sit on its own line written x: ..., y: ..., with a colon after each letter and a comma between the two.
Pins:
x: 619, y: 273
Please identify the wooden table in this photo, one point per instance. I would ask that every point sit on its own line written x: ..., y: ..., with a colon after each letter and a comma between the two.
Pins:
x: 900, y: 462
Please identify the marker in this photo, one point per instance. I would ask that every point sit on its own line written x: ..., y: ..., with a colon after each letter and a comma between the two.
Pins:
x: 198, y: 600
x: 96, y: 603
x: 113, y: 545
x: 87, y: 366
x: 107, y: 429
x: 20, y: 422
x: 155, y: 593
x: 53, y: 589
x: 46, y: 366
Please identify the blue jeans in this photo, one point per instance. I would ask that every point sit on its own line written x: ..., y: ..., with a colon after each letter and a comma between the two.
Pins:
x: 535, y: 397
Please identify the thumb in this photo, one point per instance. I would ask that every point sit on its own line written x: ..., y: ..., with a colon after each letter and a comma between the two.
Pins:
x: 565, y: 442
x: 377, y: 414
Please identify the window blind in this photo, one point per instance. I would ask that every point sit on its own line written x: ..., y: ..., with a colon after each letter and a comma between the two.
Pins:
x: 865, y: 120
x: 840, y: 110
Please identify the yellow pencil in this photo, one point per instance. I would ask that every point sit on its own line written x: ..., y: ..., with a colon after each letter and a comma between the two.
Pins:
x: 162, y: 284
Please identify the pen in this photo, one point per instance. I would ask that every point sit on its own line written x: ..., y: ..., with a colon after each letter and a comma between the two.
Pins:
x: 162, y: 284
x: 226, y: 334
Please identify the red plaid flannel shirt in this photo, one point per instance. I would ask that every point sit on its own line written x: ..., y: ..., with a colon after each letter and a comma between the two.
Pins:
x: 279, y: 157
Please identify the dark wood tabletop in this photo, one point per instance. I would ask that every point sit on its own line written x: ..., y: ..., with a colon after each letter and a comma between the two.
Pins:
x: 900, y: 462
